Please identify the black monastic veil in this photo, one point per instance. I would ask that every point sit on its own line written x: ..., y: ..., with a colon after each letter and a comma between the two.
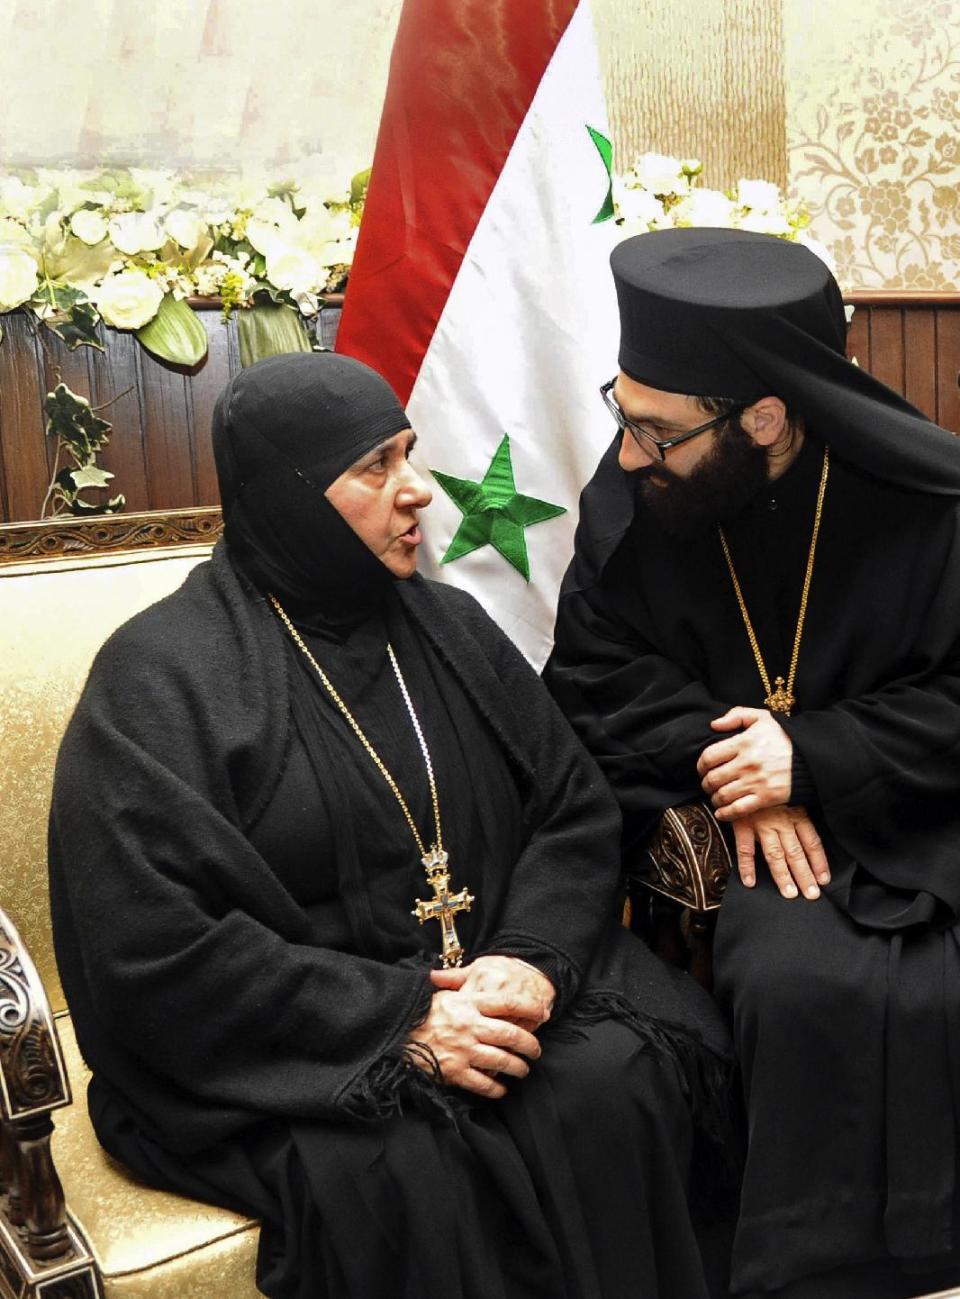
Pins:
x: 246, y: 1013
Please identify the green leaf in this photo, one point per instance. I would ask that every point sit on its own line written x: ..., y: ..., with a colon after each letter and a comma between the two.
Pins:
x: 269, y: 329
x: 175, y: 334
x: 80, y: 327
x: 70, y: 418
x: 359, y: 186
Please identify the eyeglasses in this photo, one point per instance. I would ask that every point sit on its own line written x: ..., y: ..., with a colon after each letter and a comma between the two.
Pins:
x: 649, y: 441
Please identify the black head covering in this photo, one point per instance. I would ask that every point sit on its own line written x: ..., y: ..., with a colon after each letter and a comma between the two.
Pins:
x: 728, y: 313
x: 283, y: 431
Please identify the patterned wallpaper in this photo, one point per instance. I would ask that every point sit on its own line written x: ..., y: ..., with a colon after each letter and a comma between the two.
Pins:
x: 855, y: 102
x: 873, y: 135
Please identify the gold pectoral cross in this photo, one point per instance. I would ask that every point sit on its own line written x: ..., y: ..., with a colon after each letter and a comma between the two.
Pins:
x: 780, y: 700
x: 443, y: 906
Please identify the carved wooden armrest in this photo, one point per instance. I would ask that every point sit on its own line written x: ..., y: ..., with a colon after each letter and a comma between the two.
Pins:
x: 687, y: 858
x: 33, y: 1082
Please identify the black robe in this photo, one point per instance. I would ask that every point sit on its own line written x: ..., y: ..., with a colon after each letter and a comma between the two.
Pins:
x: 231, y: 883
x: 845, y: 1010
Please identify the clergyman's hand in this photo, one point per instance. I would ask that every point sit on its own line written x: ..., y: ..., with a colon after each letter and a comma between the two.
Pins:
x: 791, y: 847
x: 749, y: 770
x: 472, y: 1047
x: 503, y: 986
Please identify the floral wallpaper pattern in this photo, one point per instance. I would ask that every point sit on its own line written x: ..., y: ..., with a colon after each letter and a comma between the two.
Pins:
x: 873, y: 136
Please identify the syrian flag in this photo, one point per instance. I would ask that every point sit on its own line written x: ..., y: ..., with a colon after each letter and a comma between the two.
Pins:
x: 481, y: 287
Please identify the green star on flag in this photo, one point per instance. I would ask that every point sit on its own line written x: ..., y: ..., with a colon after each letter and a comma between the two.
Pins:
x: 494, y: 512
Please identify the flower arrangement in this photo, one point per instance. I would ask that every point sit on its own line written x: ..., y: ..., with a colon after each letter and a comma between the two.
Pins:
x: 659, y: 192
x: 131, y: 247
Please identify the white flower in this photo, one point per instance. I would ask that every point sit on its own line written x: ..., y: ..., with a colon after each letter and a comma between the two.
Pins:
x: 136, y: 232
x: 12, y: 232
x: 661, y: 174
x: 638, y: 207
x: 276, y: 212
x: 704, y: 207
x: 185, y: 227
x: 18, y: 200
x: 128, y: 300
x: 338, y: 252
x: 89, y: 226
x: 18, y: 277
x: 765, y: 223
x: 760, y: 195
x: 294, y: 269
x: 262, y: 235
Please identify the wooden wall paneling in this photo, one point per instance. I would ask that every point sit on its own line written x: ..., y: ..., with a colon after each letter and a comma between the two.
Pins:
x: 26, y: 469
x: 858, y: 337
x: 223, y: 360
x: 948, y: 368
x: 886, y: 346
x: 920, y: 360
x: 116, y: 381
x: 167, y: 433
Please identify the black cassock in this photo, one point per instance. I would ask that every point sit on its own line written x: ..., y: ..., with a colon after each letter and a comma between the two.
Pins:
x: 846, y: 1011
x: 232, y: 885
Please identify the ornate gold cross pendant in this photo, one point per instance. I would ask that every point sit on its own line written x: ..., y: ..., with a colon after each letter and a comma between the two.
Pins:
x: 443, y: 906
x: 781, y: 700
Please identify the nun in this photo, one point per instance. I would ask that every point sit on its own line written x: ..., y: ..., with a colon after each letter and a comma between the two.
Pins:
x: 335, y: 898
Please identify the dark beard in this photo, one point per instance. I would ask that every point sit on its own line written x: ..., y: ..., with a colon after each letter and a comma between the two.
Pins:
x: 726, y: 480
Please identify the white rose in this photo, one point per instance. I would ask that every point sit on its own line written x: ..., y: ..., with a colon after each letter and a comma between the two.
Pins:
x: 18, y: 277
x: 89, y: 226
x: 128, y: 300
x: 704, y: 207
x: 765, y: 223
x: 760, y: 195
x: 135, y: 232
x: 637, y: 206
x: 185, y: 227
x: 661, y: 174
x: 294, y: 269
x: 339, y: 252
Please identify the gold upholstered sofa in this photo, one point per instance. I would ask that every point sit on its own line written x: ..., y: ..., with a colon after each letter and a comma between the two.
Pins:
x: 73, y: 1224
x: 64, y: 586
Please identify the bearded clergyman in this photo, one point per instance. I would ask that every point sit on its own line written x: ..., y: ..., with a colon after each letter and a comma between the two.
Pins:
x: 764, y: 611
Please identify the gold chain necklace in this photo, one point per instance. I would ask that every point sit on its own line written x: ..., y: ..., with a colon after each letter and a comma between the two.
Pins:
x: 444, y: 905
x: 782, y: 699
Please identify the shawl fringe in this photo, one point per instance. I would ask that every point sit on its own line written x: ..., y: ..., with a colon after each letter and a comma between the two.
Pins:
x: 406, y: 1079
x: 709, y: 1082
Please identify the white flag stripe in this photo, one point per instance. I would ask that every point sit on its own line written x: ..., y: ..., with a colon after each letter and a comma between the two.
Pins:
x: 528, y: 334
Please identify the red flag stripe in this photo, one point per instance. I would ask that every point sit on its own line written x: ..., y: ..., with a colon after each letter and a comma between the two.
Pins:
x: 463, y: 74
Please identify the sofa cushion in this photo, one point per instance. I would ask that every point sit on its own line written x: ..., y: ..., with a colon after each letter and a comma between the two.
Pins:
x: 54, y: 616
x: 149, y: 1244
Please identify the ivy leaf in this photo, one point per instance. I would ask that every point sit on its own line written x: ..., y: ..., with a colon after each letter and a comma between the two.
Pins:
x: 270, y: 329
x: 80, y: 327
x: 70, y: 418
x: 89, y: 475
x: 175, y: 334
